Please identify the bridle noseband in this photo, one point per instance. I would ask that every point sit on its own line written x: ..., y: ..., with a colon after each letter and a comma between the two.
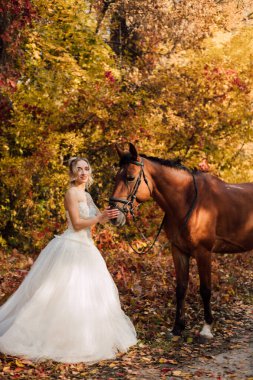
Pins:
x: 128, y: 203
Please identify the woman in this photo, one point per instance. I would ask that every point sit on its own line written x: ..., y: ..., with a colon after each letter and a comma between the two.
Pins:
x: 67, y: 308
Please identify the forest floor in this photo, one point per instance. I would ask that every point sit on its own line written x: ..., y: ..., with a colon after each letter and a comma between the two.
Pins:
x: 149, y: 303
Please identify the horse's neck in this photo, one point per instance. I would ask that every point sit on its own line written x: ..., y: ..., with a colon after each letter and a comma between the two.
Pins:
x: 173, y: 190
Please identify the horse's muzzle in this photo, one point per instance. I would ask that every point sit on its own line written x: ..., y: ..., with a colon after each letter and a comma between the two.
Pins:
x: 121, y: 219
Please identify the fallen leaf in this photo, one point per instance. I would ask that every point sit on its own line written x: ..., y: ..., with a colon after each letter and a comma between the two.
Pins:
x: 19, y: 363
x: 176, y: 373
x: 175, y: 338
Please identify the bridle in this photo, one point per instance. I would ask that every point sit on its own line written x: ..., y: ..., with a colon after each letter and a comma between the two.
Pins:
x: 128, y: 204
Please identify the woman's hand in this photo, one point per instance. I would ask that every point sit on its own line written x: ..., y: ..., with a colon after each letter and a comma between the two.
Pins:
x: 108, y: 214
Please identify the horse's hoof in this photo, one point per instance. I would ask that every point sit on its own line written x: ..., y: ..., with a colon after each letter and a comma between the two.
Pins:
x: 174, y: 335
x: 169, y: 335
x: 206, y: 332
x: 206, y: 336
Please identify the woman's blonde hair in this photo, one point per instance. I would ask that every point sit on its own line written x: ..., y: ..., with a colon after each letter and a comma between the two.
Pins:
x: 72, y: 163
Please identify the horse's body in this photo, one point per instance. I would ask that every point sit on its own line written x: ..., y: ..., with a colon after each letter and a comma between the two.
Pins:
x: 203, y: 214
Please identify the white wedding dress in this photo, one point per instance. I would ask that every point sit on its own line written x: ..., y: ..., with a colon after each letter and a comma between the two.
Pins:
x: 67, y: 308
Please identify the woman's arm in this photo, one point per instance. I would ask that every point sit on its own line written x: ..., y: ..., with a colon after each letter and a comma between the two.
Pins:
x: 71, y: 205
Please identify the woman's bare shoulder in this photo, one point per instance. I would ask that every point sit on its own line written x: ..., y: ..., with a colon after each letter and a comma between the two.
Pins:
x: 71, y: 193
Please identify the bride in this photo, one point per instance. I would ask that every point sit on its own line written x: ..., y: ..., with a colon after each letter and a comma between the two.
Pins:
x: 67, y: 308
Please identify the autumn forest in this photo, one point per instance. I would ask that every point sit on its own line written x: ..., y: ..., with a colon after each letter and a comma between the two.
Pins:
x: 175, y: 78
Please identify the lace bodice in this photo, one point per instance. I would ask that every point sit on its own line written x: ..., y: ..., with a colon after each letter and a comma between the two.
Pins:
x: 87, y: 209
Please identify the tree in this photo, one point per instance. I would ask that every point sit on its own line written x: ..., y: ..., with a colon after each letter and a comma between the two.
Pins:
x: 76, y: 95
x: 144, y: 32
x: 65, y: 83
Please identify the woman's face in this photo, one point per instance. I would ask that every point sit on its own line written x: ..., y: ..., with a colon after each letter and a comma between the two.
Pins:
x: 83, y: 172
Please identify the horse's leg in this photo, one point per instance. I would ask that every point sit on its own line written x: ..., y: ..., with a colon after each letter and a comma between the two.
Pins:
x: 204, y: 266
x: 181, y: 262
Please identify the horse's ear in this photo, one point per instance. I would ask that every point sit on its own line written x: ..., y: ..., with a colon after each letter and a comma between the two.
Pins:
x: 133, y: 151
x: 119, y: 151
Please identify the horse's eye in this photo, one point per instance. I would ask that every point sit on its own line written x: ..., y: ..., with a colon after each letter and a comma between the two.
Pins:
x: 130, y: 178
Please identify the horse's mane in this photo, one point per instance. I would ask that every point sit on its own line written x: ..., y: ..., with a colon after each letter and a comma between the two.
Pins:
x: 172, y: 163
x: 175, y: 163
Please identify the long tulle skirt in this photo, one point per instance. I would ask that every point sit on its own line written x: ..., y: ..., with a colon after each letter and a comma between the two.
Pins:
x: 66, y: 309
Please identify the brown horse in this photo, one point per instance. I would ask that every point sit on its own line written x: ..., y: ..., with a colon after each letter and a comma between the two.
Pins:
x: 203, y: 214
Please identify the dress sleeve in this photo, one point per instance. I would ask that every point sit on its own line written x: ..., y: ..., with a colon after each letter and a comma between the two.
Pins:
x: 92, y: 205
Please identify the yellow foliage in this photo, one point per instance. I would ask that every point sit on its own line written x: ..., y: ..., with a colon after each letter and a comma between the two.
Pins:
x: 76, y: 97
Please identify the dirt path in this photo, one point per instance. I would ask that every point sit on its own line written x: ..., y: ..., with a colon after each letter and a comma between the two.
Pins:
x: 234, y: 363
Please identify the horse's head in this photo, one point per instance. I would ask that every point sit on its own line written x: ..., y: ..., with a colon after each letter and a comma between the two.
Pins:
x: 132, y: 184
